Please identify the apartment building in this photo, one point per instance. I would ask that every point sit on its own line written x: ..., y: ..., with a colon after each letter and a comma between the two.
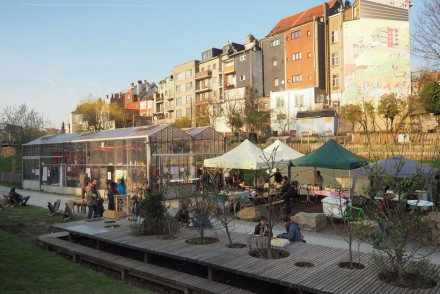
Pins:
x: 208, y: 93
x: 242, y: 68
x: 294, y: 65
x: 369, y: 51
x: 176, y: 94
x: 165, y: 92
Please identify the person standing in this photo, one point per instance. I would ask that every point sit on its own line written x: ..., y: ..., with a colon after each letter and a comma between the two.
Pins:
x: 92, y: 199
x: 319, y: 180
x: 121, y: 187
x: 289, y: 193
x: 111, y: 192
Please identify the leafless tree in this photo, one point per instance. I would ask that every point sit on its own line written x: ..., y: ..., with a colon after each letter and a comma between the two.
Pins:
x: 21, y: 124
x: 425, y: 37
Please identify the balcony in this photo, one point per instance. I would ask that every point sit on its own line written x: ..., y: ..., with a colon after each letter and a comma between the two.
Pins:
x: 229, y: 86
x: 169, y: 107
x: 201, y: 100
x: 159, y: 110
x: 203, y: 75
x: 203, y: 88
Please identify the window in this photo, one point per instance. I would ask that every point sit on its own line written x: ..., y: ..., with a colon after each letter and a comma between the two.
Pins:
x: 309, y: 33
x: 275, y: 82
x: 189, y: 86
x: 335, y: 81
x: 179, y: 101
x: 299, y: 100
x: 178, y: 89
x: 335, y: 59
x: 188, y: 73
x: 179, y: 76
x: 275, y: 43
x: 217, y: 110
x: 179, y: 113
x: 188, y: 112
x: 296, y: 34
x: 297, y: 78
x: 280, y: 102
x: 189, y: 99
x: 309, y: 55
x: 310, y: 77
x: 243, y: 78
x: 335, y: 37
x: 297, y: 55
x: 243, y: 58
x: 275, y: 63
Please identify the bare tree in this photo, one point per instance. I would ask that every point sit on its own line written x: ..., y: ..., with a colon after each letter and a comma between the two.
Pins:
x: 426, y: 40
x: 22, y: 124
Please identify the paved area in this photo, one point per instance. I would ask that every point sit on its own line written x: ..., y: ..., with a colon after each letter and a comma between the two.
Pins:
x: 41, y: 199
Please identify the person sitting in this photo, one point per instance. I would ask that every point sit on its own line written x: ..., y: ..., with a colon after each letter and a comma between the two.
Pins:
x: 261, y: 228
x: 182, y: 216
x: 17, y: 198
x: 293, y: 231
x: 198, y: 219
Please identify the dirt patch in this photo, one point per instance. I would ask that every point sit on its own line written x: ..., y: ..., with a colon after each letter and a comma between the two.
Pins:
x: 28, y: 232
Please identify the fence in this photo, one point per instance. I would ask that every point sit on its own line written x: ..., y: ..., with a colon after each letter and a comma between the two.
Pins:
x: 9, y: 177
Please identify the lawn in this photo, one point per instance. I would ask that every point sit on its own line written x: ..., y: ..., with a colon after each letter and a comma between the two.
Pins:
x: 26, y: 268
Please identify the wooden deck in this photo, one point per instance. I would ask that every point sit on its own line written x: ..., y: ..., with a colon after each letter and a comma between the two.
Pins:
x: 216, y: 263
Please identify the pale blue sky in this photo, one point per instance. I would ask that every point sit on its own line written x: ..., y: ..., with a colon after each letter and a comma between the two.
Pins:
x: 55, y: 52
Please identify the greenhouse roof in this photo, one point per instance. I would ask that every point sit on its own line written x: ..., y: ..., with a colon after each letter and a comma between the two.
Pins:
x: 156, y: 132
x: 204, y: 133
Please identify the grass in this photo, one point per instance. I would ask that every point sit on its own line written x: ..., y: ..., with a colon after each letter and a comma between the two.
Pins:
x: 26, y: 268
x: 20, y: 216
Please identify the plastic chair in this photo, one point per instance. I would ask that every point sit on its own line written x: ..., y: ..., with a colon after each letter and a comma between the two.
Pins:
x: 353, y: 213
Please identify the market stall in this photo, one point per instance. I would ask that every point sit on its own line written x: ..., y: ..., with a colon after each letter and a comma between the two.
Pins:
x: 331, y: 156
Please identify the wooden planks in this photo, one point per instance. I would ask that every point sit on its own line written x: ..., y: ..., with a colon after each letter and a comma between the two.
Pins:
x: 324, y: 277
x: 151, y: 272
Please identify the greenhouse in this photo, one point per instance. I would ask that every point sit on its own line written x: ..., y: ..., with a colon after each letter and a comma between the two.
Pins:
x: 138, y: 155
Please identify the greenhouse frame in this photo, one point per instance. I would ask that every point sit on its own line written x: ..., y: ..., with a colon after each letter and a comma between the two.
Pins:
x: 139, y: 155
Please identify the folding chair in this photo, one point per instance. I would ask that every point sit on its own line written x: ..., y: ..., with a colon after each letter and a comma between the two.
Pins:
x: 68, y: 214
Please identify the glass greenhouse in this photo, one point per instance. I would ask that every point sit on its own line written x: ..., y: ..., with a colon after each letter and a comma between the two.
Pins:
x: 54, y: 163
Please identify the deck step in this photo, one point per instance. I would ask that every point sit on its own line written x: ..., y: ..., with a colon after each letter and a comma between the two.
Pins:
x: 168, y: 277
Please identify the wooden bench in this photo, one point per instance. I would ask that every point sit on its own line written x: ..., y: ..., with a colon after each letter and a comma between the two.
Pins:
x: 126, y: 266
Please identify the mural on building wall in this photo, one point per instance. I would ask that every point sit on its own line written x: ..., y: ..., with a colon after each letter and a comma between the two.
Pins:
x: 376, y: 59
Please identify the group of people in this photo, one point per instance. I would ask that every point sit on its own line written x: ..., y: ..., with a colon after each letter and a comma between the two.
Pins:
x: 293, y: 230
x: 196, y: 219
x: 95, y: 202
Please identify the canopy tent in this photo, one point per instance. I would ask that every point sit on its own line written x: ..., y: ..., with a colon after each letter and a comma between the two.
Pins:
x: 284, y: 151
x: 246, y: 156
x: 331, y: 155
x: 399, y: 167
x: 396, y: 166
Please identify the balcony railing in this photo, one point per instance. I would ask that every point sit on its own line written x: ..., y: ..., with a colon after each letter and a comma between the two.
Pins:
x: 201, y: 89
x: 203, y: 74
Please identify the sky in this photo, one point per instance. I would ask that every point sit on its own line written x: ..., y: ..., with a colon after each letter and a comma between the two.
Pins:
x: 54, y: 53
